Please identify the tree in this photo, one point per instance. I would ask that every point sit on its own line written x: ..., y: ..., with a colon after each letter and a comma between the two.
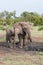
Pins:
x: 25, y: 15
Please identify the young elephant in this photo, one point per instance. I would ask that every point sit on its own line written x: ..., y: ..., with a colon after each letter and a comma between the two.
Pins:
x: 10, y: 37
x: 22, y: 33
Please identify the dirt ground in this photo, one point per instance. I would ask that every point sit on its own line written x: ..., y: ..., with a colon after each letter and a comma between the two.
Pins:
x: 19, y: 56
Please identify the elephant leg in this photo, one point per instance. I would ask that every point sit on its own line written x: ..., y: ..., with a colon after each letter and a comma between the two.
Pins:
x: 24, y: 42
x: 20, y: 41
x: 11, y: 43
x: 15, y: 43
x: 29, y: 37
x: 8, y: 42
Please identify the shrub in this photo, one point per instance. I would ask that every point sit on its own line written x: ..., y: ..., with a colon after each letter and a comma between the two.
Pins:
x: 40, y: 28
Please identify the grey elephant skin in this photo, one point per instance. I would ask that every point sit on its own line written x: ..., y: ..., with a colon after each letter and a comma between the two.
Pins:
x: 22, y: 33
x: 10, y: 37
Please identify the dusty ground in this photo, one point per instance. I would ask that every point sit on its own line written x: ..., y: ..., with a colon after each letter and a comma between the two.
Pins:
x: 19, y: 56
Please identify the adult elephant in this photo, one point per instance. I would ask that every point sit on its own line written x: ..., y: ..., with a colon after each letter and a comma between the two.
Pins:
x: 10, y: 37
x: 22, y: 33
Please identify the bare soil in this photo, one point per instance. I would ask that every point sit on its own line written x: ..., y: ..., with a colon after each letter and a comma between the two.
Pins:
x: 8, y: 56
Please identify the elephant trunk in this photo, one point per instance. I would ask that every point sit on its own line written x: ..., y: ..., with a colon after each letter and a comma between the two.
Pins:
x: 16, y: 39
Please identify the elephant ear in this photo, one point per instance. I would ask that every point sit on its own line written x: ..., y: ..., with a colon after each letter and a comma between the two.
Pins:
x: 23, y: 28
x: 21, y: 25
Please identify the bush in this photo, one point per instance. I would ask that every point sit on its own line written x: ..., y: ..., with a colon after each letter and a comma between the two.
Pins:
x: 2, y: 28
x: 40, y: 28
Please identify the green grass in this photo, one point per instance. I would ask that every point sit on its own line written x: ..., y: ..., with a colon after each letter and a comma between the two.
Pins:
x: 2, y: 39
x: 5, y: 27
x: 35, y: 31
x: 40, y: 28
x: 40, y: 53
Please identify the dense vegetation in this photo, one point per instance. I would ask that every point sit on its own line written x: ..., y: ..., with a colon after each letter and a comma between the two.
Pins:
x: 8, y: 18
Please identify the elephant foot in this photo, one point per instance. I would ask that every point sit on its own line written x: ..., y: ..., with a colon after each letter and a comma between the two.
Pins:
x: 11, y: 47
x: 20, y: 47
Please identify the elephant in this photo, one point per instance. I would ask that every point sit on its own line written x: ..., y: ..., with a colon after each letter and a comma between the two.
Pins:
x: 22, y: 33
x: 10, y: 37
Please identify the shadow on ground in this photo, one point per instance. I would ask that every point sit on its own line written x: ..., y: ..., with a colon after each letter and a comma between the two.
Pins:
x: 35, y: 46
